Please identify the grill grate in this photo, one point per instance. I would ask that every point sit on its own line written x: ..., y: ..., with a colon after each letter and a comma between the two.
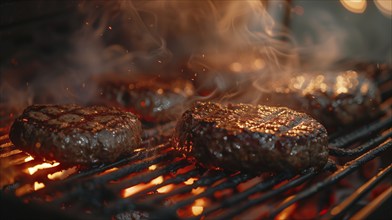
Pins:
x: 162, y: 185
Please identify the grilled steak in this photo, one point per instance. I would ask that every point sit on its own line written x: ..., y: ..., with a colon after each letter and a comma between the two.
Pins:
x: 251, y: 138
x: 76, y: 135
x: 335, y: 99
x: 153, y: 100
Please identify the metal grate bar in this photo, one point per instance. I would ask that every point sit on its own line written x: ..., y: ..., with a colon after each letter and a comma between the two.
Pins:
x: 338, y: 211
x: 150, y: 175
x: 229, y: 183
x: 367, y: 210
x: 100, y: 181
x: 335, y: 151
x: 271, y: 193
x: 85, y: 174
x: 361, y: 133
x: 342, y: 172
x: 113, y: 208
x: 267, y: 195
x: 260, y: 187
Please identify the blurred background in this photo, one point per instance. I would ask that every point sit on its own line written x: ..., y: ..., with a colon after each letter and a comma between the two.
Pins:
x: 56, y: 47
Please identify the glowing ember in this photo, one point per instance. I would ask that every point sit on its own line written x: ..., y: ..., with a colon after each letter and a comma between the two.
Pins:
x: 197, y: 210
x: 198, y: 190
x: 198, y: 206
x: 38, y: 186
x: 62, y: 174
x: 190, y: 181
x: 152, y: 167
x: 35, y: 168
x: 134, y: 189
x: 29, y: 158
x: 286, y: 213
x: 157, y: 180
x: 165, y: 189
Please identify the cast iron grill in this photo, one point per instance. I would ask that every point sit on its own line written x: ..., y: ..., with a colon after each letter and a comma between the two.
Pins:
x: 157, y: 183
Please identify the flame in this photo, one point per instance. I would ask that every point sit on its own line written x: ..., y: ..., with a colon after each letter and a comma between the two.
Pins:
x: 152, y: 167
x: 198, y: 206
x: 354, y: 6
x: 165, y: 189
x: 198, y: 190
x: 190, y: 181
x: 41, y: 166
x: 134, y: 189
x: 157, y: 180
x: 29, y: 158
x: 285, y: 214
x: 59, y: 175
x: 137, y: 188
x: 38, y: 185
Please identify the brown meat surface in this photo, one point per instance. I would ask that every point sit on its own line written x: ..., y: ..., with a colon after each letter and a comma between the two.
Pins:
x: 251, y: 138
x: 153, y: 100
x: 335, y: 99
x: 73, y: 134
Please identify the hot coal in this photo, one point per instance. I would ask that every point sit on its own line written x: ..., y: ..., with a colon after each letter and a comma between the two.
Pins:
x: 336, y: 99
x: 73, y: 134
x: 251, y: 138
x: 153, y: 100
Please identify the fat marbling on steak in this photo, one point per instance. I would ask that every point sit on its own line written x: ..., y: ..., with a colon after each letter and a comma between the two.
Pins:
x: 251, y: 138
x: 73, y: 134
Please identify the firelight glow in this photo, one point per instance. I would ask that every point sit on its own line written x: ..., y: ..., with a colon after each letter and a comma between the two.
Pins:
x: 354, y: 6
x: 198, y: 206
x: 385, y: 6
x: 41, y: 166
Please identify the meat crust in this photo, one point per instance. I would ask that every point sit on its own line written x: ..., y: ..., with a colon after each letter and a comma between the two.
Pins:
x: 251, y: 138
x: 73, y: 134
x: 335, y: 99
x: 152, y: 100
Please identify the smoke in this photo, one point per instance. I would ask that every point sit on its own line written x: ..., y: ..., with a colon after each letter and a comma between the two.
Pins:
x: 222, y: 46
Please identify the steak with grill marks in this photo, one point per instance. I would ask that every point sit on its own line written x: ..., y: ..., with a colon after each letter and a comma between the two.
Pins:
x: 335, y: 99
x: 251, y: 138
x: 73, y: 134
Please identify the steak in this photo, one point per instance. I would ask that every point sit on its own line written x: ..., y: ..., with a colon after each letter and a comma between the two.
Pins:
x: 251, y: 138
x: 153, y: 100
x: 335, y: 99
x: 73, y: 134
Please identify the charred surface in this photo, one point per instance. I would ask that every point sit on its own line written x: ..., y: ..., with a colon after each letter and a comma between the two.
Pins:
x: 251, y: 138
x: 76, y: 135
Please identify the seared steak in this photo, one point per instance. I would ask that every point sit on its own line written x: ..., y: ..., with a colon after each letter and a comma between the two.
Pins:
x: 251, y: 138
x: 153, y: 100
x: 76, y: 135
x: 336, y: 99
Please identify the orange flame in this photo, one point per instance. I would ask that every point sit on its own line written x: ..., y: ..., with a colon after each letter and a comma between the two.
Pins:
x: 198, y: 206
x: 134, y: 189
x: 38, y: 185
x: 198, y: 190
x: 190, y: 181
x: 41, y: 166
x: 59, y: 175
x: 137, y: 188
x: 165, y: 189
